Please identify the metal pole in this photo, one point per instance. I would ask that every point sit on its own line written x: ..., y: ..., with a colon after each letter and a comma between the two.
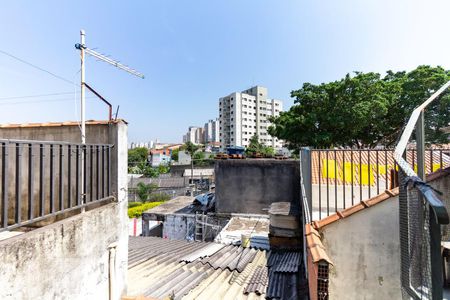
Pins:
x: 420, y: 141
x: 83, y: 115
x: 83, y: 97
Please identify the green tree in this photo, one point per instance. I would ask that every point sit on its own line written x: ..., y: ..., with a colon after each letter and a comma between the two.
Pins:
x: 144, y: 190
x: 174, y: 155
x: 268, y: 151
x: 190, y: 148
x: 363, y: 110
x: 137, y: 155
x: 254, y: 145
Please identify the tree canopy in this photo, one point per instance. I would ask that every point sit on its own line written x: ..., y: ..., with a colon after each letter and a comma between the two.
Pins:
x: 255, y: 147
x: 363, y: 110
x: 137, y: 155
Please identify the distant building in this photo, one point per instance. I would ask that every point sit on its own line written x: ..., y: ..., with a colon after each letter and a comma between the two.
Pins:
x: 211, y: 132
x: 244, y: 114
x: 194, y: 135
x: 160, y: 157
x: 148, y: 145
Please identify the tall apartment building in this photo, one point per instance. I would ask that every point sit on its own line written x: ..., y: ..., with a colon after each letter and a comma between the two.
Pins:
x: 241, y: 115
x: 211, y: 130
x: 194, y: 135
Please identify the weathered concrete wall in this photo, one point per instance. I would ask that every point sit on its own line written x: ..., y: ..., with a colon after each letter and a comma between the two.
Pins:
x: 179, y: 227
x: 66, y: 260
x: 250, y: 186
x: 69, y: 259
x: 365, y: 251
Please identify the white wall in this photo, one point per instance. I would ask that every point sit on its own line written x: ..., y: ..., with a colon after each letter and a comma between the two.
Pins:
x: 66, y: 260
x: 365, y: 251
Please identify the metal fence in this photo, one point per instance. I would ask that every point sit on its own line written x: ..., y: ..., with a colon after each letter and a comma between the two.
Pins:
x: 39, y: 179
x: 421, y: 214
x: 339, y: 178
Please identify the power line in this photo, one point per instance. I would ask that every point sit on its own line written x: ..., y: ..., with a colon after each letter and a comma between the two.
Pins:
x: 40, y: 101
x: 36, y: 96
x: 37, y: 67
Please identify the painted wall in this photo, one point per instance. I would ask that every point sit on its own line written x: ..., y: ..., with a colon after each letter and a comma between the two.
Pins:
x: 251, y: 185
x: 365, y: 251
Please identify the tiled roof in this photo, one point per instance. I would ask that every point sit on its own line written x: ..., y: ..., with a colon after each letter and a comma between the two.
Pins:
x: 57, y: 124
x: 372, y: 201
x: 314, y: 245
x: 342, y: 164
x: 197, y: 270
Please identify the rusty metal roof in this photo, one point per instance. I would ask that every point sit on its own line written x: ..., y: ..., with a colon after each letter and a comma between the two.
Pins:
x: 197, y: 270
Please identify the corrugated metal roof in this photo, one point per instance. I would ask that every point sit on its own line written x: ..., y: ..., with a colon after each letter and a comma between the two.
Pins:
x: 258, y: 282
x: 196, y: 270
x: 284, y: 261
x: 205, y: 251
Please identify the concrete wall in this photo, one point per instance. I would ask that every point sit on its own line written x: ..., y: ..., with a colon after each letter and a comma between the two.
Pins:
x: 69, y: 259
x: 96, y: 133
x: 250, y: 186
x: 179, y: 227
x: 365, y: 251
x: 66, y: 260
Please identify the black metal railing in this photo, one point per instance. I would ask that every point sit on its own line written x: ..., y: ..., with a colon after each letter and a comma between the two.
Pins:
x: 421, y: 215
x: 39, y: 179
x: 336, y: 179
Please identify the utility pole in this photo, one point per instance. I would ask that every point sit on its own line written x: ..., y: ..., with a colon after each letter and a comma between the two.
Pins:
x: 83, y: 96
x: 83, y: 118
x: 83, y: 51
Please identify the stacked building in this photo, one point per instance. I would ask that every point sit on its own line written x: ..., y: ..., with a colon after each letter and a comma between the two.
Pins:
x: 208, y: 134
x: 244, y: 114
x: 241, y: 116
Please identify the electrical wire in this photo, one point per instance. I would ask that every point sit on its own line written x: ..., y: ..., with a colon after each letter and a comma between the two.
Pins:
x: 35, y: 96
x: 40, y: 101
x: 37, y: 67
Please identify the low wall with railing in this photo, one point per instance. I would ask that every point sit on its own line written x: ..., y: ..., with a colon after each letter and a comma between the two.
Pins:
x: 42, y: 177
x: 39, y: 179
x: 338, y: 179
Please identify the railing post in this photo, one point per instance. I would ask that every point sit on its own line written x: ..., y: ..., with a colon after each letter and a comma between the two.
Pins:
x: 5, y: 160
x: 306, y: 173
x: 420, y: 141
x: 435, y: 228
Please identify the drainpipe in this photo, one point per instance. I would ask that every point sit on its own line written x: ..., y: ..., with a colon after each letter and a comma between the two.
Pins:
x: 112, y: 270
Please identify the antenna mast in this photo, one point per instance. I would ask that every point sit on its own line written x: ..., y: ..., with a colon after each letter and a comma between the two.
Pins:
x: 83, y: 51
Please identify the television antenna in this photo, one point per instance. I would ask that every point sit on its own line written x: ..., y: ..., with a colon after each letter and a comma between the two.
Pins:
x: 83, y: 51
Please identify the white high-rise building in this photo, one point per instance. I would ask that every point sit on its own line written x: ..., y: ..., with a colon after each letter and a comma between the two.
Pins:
x: 194, y: 135
x: 211, y: 131
x: 244, y: 114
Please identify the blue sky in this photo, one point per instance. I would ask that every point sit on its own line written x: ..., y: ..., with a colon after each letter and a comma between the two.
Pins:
x: 193, y: 52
